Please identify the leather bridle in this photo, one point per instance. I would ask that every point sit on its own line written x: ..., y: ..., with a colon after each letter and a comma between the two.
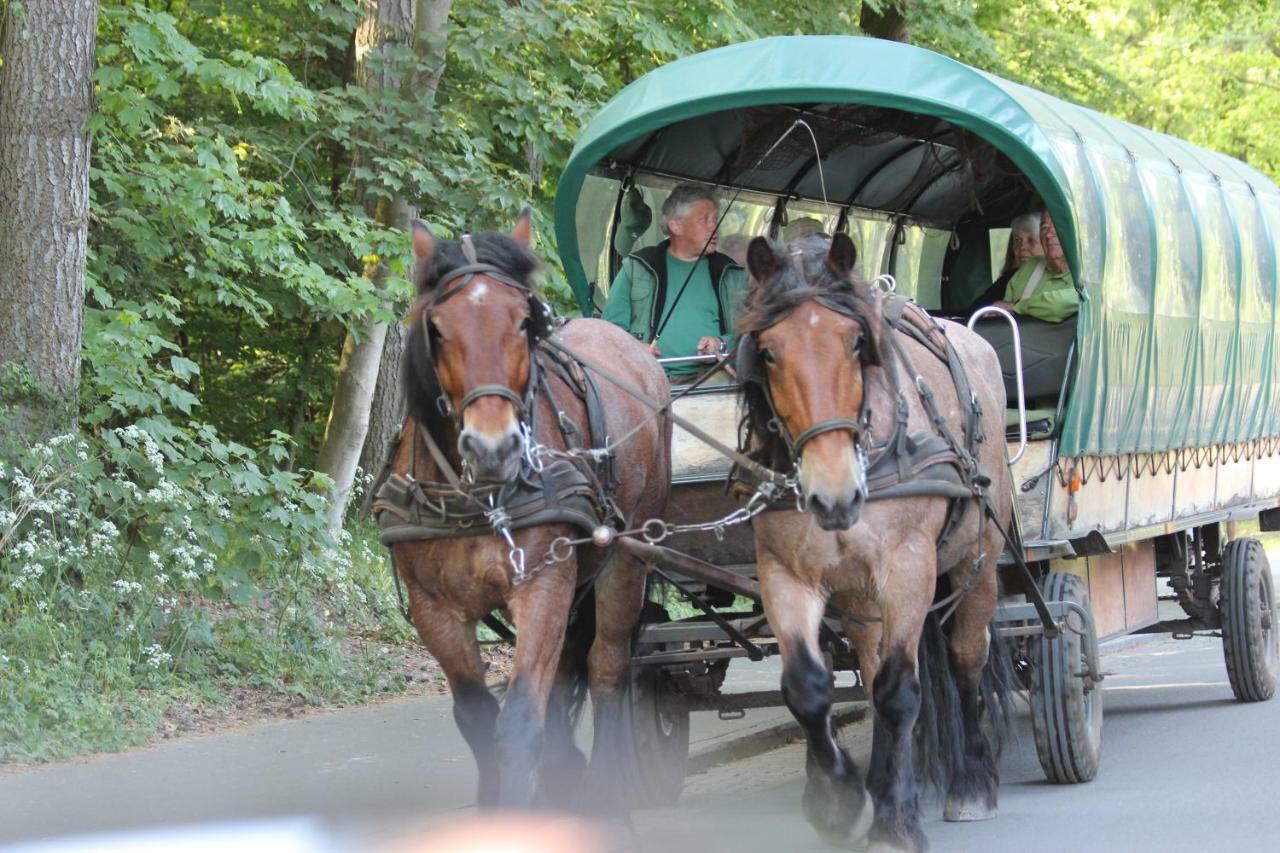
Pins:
x: 541, y: 325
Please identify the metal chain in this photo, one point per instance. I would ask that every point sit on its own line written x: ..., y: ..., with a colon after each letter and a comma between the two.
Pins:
x: 654, y: 531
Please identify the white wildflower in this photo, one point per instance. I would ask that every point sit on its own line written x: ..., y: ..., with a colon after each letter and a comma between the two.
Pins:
x: 156, y: 656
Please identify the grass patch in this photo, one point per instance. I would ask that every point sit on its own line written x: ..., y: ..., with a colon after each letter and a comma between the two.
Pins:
x: 137, y: 575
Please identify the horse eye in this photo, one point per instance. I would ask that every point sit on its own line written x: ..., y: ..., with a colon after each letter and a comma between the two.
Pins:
x: 767, y: 355
x: 524, y: 323
x: 857, y: 345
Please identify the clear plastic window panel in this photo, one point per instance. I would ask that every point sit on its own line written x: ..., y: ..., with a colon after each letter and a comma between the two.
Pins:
x: 1256, y: 262
x: 594, y: 220
x: 1088, y: 211
x: 918, y: 267
x: 1270, y: 204
x: 1177, y: 243
x: 1128, y: 257
x: 1219, y: 284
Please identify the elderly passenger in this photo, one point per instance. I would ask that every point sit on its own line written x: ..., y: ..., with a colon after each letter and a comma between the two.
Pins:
x: 681, y: 295
x: 1042, y: 287
x: 1024, y: 245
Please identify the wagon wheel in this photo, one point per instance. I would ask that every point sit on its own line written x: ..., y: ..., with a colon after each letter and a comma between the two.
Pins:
x: 1066, y: 709
x: 657, y: 726
x: 1250, y: 641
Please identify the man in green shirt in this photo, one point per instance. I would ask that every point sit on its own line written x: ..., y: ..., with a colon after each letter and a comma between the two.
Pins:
x: 1042, y: 287
x: 680, y: 296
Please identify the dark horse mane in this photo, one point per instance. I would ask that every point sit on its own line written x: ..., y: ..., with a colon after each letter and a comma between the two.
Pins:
x: 419, y: 379
x: 803, y: 274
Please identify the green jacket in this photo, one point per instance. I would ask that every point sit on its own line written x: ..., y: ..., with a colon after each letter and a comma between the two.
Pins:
x: 640, y: 290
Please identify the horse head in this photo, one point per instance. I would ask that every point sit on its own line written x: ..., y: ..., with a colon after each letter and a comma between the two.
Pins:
x: 470, y: 351
x: 809, y: 333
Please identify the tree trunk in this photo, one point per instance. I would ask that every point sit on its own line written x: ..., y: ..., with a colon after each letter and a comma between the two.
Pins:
x: 890, y: 23
x: 387, y: 24
x: 46, y: 99
x: 387, y: 411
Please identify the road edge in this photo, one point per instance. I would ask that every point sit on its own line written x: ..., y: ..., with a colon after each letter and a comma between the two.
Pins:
x: 764, y: 740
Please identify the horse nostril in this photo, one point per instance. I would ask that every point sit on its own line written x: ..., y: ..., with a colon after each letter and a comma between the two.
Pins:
x: 513, y: 443
x: 467, y: 445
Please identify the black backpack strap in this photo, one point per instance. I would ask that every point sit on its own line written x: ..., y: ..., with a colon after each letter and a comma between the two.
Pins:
x: 655, y: 257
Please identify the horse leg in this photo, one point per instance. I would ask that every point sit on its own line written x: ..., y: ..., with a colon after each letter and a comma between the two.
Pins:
x: 562, y: 761
x: 866, y: 639
x: 619, y: 601
x: 895, y: 694
x: 540, y: 610
x: 452, y: 641
x: 971, y: 792
x: 835, y: 802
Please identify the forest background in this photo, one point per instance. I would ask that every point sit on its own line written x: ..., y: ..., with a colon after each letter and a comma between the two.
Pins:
x: 168, y: 533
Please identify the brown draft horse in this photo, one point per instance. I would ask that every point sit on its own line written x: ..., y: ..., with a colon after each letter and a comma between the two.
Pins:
x: 814, y: 349
x: 469, y: 357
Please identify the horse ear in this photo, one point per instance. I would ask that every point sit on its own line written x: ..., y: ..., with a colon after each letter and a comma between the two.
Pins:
x: 522, y: 233
x: 424, y: 242
x: 761, y: 259
x: 842, y: 255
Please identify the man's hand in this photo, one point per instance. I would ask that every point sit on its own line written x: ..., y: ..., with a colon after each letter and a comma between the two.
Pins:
x: 709, y: 346
x: 654, y: 349
x: 1008, y: 306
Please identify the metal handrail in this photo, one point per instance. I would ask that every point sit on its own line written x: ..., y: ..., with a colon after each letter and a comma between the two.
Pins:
x: 1017, y: 361
x: 684, y: 359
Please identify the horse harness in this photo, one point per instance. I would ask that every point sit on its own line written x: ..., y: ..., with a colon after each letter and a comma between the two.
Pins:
x: 573, y: 487
x: 935, y: 463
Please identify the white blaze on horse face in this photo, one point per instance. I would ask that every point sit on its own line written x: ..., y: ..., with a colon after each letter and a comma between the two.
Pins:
x: 476, y: 294
x: 813, y: 317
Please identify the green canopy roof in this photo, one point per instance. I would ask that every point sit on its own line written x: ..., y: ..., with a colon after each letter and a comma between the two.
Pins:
x: 1171, y: 244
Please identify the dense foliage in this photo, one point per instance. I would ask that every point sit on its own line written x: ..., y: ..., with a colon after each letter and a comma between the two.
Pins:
x: 179, y: 540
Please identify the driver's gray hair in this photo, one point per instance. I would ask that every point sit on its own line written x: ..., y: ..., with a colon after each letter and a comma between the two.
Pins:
x: 1029, y: 222
x: 683, y: 197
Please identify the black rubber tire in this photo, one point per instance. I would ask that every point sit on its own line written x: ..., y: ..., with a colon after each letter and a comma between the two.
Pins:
x: 1250, y: 642
x: 1066, y: 719
x: 657, y: 721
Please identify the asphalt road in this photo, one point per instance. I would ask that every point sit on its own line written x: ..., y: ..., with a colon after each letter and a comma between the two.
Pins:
x: 1185, y: 767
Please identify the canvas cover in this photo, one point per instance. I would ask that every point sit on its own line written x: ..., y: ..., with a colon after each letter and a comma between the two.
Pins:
x: 1173, y: 246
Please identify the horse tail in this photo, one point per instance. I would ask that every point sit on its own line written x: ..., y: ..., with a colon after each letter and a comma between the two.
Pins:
x: 579, y: 635
x: 941, y: 741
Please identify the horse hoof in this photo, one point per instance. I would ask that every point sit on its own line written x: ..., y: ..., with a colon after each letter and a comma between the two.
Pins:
x: 958, y: 809
x: 901, y: 841
x: 840, y: 812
